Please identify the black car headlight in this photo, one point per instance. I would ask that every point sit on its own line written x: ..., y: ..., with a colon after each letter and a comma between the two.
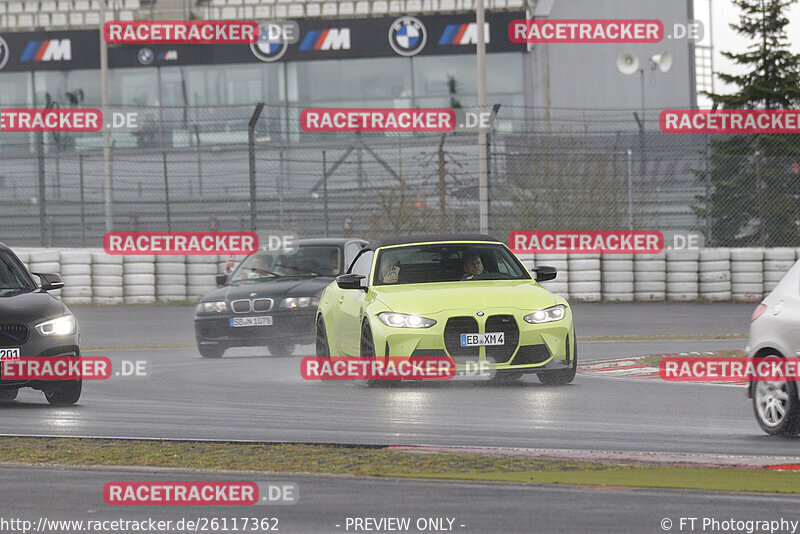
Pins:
x: 556, y: 313
x: 298, y: 302
x: 60, y: 326
x: 401, y: 320
x: 212, y: 307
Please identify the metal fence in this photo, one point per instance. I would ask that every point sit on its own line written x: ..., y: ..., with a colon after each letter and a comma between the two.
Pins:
x: 187, y: 168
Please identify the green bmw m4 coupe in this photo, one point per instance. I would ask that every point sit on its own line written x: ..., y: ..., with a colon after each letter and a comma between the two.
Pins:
x: 463, y: 297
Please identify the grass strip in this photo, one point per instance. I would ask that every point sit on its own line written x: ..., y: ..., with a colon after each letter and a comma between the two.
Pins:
x: 383, y: 462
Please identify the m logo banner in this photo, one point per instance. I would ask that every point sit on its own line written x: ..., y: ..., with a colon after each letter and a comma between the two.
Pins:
x: 52, y: 50
x: 463, y: 34
x: 330, y: 39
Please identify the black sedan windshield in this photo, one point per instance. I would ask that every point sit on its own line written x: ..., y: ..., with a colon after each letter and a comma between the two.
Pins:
x: 305, y: 261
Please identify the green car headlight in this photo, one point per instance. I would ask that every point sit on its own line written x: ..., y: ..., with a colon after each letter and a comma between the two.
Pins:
x: 401, y: 320
x: 60, y: 326
x: 299, y: 302
x: 211, y: 307
x: 556, y: 313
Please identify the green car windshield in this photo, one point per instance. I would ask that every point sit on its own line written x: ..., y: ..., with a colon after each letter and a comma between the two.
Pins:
x: 449, y: 262
x: 305, y: 261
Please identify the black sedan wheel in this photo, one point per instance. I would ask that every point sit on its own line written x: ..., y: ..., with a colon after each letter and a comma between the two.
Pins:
x: 8, y: 395
x: 211, y: 351
x: 66, y: 395
x: 280, y: 348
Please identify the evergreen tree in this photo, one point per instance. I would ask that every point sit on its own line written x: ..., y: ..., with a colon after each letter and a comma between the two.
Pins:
x: 756, y: 185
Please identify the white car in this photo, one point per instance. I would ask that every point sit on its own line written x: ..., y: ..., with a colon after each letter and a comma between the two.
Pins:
x: 775, y: 333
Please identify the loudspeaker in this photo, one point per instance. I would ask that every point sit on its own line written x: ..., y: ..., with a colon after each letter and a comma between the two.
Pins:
x: 627, y: 63
x: 663, y: 61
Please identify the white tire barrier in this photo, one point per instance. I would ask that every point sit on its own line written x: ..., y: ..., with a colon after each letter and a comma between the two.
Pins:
x: 747, y: 274
x: 714, y: 274
x: 139, y: 279
x: 650, y: 277
x: 106, y: 278
x: 738, y: 274
x: 171, y: 279
x: 76, y: 272
x: 201, y: 272
x: 746, y: 278
x: 683, y: 287
x: 617, y: 277
x: 105, y: 292
x: 584, y: 277
x: 777, y: 261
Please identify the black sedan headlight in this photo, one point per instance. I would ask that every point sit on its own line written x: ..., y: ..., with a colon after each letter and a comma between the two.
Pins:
x: 60, y: 326
x: 211, y: 307
x: 292, y: 303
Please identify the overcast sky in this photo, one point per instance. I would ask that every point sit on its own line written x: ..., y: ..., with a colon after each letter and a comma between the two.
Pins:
x: 724, y: 12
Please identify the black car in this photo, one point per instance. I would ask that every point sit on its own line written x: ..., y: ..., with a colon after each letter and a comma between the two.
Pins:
x: 271, y: 299
x: 34, y: 323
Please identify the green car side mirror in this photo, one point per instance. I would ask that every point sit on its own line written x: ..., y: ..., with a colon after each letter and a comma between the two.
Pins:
x: 351, y: 281
x: 543, y: 273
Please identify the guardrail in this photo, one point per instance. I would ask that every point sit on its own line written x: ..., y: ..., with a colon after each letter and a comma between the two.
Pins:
x: 714, y: 275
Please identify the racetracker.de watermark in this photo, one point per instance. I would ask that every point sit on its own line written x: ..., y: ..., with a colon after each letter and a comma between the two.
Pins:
x: 199, y: 493
x: 171, y: 243
x: 729, y: 369
x: 180, y: 32
x: 56, y: 368
x: 586, y: 242
x: 730, y: 121
x: 586, y: 31
x: 378, y: 120
x: 50, y: 120
x: 380, y: 368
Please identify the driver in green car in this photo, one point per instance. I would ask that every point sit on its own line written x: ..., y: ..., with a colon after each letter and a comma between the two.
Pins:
x: 472, y: 265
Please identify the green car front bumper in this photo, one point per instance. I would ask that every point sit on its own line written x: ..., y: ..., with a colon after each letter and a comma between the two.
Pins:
x: 527, y: 347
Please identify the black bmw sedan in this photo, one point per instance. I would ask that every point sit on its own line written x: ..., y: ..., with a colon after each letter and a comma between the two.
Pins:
x: 271, y: 299
x: 34, y: 323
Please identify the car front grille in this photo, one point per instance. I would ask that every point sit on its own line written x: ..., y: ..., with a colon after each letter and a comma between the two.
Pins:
x: 507, y: 325
x: 452, y: 336
x: 531, y: 354
x: 262, y: 305
x: 13, y: 335
x: 240, y: 306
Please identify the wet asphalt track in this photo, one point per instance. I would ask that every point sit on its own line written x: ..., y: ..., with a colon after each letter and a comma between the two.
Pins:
x: 250, y: 395
x: 325, y: 502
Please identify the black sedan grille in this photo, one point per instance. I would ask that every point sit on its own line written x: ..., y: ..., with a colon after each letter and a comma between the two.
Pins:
x: 452, y: 336
x: 13, y: 335
x: 507, y: 325
x: 530, y: 354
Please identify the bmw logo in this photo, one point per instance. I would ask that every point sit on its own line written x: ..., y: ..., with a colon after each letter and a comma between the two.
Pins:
x: 408, y: 36
x: 266, y: 49
x: 3, y: 52
x: 145, y: 56
x: 479, y: 314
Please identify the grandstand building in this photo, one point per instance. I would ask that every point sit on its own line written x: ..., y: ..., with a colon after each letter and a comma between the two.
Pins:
x: 349, y: 53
